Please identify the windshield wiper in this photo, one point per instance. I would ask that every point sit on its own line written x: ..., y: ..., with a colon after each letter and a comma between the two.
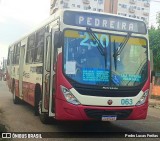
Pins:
x: 114, y: 56
x: 120, y: 48
x: 100, y: 47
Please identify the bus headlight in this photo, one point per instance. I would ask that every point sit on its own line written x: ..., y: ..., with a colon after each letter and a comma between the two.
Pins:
x: 69, y: 96
x: 143, y: 98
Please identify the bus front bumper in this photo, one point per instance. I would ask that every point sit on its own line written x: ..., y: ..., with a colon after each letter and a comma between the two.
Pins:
x: 67, y: 111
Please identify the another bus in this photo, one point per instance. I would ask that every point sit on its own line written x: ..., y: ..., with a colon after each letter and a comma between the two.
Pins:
x: 81, y: 65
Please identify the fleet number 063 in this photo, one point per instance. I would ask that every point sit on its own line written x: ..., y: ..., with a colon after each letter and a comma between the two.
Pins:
x: 126, y: 101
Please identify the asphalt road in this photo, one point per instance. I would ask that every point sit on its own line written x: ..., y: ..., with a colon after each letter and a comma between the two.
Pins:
x: 20, y: 118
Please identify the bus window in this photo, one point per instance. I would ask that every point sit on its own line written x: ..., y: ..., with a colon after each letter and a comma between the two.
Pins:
x: 9, y: 57
x: 131, y: 62
x: 39, y: 48
x: 30, y: 49
x: 17, y: 53
x: 83, y: 62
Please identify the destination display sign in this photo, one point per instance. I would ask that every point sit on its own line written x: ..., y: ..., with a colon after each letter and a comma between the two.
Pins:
x: 102, y: 21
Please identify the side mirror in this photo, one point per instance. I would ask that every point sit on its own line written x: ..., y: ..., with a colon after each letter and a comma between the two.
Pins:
x: 58, y: 39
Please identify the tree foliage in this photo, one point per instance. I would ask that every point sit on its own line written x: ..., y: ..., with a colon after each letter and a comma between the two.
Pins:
x: 154, y: 39
x: 154, y: 42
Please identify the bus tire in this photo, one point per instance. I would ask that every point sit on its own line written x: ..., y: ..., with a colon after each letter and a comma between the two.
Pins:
x: 15, y: 98
x: 44, y: 118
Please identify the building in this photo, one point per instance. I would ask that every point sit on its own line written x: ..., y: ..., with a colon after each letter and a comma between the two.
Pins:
x: 111, y: 6
x: 131, y: 8
x: 134, y: 8
x: 94, y: 5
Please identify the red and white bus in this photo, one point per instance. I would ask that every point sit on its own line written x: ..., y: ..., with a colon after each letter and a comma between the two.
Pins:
x: 81, y: 65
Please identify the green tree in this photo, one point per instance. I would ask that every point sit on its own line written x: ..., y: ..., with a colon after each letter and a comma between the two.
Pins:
x: 154, y: 39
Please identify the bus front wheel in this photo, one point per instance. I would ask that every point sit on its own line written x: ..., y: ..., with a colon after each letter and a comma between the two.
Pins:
x: 38, y: 107
x: 43, y: 116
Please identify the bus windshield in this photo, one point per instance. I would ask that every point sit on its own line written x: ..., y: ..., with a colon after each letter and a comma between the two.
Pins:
x: 83, y: 62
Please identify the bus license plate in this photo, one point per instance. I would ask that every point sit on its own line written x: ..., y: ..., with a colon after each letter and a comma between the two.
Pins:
x: 109, y: 118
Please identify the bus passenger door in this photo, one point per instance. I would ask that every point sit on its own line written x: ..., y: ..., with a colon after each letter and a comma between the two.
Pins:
x: 48, y: 74
x: 52, y: 62
x: 21, y: 63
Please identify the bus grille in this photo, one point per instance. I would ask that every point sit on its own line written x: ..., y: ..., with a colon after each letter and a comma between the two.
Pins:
x: 97, y: 114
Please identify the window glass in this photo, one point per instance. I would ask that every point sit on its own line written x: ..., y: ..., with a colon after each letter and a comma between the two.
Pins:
x: 30, y: 49
x: 16, y: 54
x: 8, y: 57
x: 131, y: 64
x: 35, y: 47
x: 39, y: 45
x: 82, y: 60
x: 86, y: 64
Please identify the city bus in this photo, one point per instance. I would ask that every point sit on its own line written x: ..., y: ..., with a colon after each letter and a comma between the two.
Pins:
x: 81, y: 65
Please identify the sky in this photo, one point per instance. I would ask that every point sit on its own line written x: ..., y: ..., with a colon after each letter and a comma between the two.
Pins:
x: 17, y: 17
x: 154, y: 8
